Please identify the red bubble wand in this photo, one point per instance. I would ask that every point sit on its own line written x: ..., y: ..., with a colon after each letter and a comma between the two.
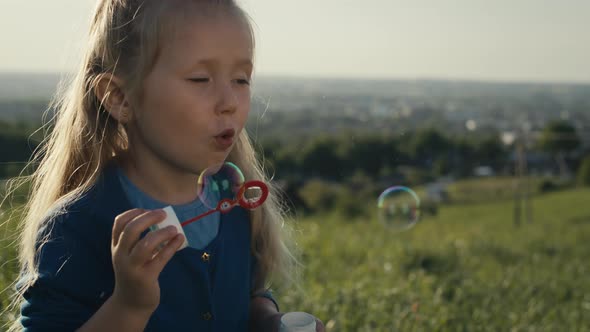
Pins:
x: 226, y: 205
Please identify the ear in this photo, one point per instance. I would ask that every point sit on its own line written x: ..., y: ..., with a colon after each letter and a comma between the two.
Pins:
x: 109, y: 91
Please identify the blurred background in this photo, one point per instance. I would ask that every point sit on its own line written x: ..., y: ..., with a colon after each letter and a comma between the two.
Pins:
x: 481, y: 108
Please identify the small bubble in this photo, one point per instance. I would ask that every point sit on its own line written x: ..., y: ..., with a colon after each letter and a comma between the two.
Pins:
x: 398, y: 208
x: 208, y: 189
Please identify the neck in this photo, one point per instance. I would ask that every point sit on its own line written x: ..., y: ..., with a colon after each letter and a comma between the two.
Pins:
x: 160, y: 180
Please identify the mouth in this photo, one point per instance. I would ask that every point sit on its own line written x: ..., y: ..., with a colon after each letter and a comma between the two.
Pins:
x: 225, y: 139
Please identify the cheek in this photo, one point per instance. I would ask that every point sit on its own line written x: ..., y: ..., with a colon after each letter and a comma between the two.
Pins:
x: 176, y: 107
x: 245, y: 101
x: 160, y: 114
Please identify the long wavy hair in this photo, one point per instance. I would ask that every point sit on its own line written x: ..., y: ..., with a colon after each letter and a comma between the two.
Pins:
x: 125, y: 38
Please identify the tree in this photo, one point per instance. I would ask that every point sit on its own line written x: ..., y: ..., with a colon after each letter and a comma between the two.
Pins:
x: 369, y: 154
x: 429, y: 145
x: 584, y: 172
x: 319, y: 158
x: 559, y: 138
x: 16, y: 148
x: 490, y: 151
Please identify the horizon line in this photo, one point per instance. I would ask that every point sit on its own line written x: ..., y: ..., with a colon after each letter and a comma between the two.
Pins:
x: 320, y: 77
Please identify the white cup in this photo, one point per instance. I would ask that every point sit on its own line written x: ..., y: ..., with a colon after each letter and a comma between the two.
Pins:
x: 297, y: 322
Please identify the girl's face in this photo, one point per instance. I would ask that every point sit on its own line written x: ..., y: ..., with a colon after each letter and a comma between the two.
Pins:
x: 195, y: 101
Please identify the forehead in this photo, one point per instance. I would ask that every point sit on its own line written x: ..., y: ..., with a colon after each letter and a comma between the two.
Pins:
x: 219, y: 37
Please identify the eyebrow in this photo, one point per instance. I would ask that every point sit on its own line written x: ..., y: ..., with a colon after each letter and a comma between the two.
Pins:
x: 240, y: 63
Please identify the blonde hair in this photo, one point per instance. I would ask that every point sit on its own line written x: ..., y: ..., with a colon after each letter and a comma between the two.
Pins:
x: 125, y: 38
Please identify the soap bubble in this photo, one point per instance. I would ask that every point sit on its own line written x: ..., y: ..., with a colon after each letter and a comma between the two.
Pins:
x: 398, y: 208
x: 218, y: 179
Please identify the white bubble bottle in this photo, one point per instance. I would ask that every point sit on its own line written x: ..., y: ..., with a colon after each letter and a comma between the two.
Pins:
x: 297, y: 322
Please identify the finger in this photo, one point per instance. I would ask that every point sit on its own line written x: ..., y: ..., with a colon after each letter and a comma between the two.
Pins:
x: 165, y: 254
x: 131, y: 232
x: 121, y: 221
x: 145, y: 249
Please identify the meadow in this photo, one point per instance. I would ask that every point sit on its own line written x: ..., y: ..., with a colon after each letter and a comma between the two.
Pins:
x: 467, y: 268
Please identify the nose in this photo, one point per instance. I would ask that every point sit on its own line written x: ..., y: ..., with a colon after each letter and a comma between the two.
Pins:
x: 227, y: 101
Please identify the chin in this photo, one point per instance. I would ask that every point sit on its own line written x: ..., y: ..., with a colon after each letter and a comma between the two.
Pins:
x: 212, y: 167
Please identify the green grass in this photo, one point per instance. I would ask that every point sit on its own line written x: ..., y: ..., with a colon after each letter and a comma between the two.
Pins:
x: 469, y: 268
x: 486, y: 189
x: 8, y: 264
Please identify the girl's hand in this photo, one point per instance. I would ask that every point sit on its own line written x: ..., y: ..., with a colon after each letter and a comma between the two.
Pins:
x: 138, y: 263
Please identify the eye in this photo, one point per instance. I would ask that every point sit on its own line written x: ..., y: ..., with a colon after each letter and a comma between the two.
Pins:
x: 243, y: 81
x: 200, y: 80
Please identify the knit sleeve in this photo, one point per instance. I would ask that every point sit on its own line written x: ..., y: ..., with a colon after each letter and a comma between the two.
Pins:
x: 73, y: 277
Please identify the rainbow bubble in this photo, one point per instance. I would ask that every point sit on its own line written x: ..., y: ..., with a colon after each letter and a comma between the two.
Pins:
x: 398, y: 208
x: 214, y: 180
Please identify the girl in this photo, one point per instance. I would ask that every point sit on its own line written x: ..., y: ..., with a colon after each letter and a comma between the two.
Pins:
x: 163, y: 93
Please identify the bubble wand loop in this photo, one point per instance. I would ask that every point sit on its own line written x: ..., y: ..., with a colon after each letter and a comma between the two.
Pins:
x: 226, y: 205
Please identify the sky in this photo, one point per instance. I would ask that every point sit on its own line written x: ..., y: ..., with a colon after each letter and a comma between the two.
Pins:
x: 501, y: 40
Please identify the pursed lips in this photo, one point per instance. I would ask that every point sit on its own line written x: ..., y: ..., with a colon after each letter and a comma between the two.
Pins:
x: 225, y: 139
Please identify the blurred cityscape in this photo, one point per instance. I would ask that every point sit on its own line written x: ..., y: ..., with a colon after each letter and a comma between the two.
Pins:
x: 389, y: 131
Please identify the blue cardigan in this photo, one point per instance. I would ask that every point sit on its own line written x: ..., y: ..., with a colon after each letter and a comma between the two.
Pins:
x: 201, y: 290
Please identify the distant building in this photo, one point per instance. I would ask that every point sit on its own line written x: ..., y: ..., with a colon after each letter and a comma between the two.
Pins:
x: 483, y: 171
